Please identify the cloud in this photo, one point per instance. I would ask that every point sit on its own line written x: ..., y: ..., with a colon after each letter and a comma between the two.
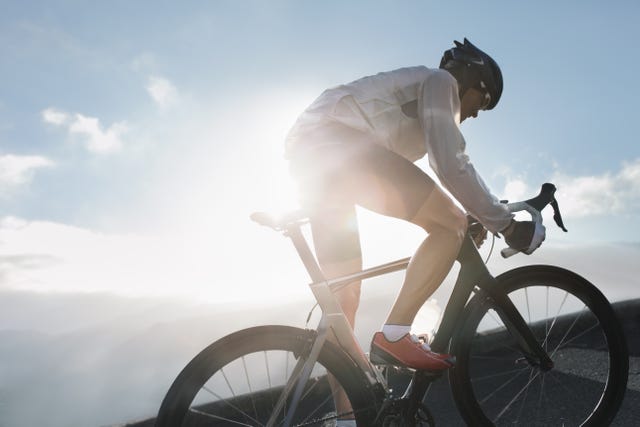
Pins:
x: 89, y: 130
x: 61, y: 257
x: 604, y: 194
x: 47, y: 256
x: 162, y: 91
x: 19, y: 170
x: 55, y: 117
x: 589, y: 195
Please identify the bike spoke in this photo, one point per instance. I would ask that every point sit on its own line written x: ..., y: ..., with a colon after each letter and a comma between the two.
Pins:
x: 486, y: 377
x: 546, y: 320
x: 228, y: 383
x: 319, y: 406
x: 310, y: 389
x: 246, y: 374
x: 226, y: 402
x: 568, y: 331
x: 524, y: 400
x: 566, y: 294
x: 578, y: 387
x: 215, y: 417
x: 571, y: 392
x: 496, y: 358
x: 266, y: 364
x: 542, y: 395
x: 502, y: 386
x: 586, y: 331
x: 526, y: 386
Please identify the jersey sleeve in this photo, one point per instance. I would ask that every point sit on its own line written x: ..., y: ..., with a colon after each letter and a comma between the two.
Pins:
x: 440, y: 116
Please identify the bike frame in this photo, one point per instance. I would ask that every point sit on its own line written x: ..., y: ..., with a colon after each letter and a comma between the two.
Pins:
x: 473, y: 278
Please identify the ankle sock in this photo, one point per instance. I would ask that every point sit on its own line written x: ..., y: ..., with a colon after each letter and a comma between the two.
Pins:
x: 395, y: 332
x: 346, y: 423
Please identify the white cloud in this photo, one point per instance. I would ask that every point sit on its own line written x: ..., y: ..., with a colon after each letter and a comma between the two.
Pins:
x: 162, y: 91
x: 97, y: 140
x: 47, y: 256
x: 55, y: 117
x: 18, y: 170
x: 617, y: 193
x: 89, y: 130
x: 590, y: 195
x: 516, y: 189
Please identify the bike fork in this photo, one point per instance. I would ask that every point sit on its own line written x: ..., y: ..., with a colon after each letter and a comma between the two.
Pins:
x: 516, y: 325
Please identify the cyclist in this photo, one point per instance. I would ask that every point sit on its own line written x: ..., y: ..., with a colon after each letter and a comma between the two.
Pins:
x: 356, y: 144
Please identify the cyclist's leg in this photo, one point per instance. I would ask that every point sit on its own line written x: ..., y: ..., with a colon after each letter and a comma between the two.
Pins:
x: 389, y: 184
x: 363, y: 173
x: 336, y: 240
x: 446, y: 226
x: 337, y: 246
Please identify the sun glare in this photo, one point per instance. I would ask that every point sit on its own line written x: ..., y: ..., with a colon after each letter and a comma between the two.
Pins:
x: 242, y: 260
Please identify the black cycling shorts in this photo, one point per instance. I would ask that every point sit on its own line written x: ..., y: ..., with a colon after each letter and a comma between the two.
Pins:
x: 335, y: 177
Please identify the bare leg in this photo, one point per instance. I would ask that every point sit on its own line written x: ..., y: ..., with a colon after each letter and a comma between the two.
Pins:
x: 431, y: 263
x: 349, y: 298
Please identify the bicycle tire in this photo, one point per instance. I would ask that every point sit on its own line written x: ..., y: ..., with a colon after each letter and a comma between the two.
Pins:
x: 182, y: 405
x: 488, y: 391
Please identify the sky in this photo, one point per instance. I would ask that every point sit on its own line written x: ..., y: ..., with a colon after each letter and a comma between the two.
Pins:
x: 136, y: 138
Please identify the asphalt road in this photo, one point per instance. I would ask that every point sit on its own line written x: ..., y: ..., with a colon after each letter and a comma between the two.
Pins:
x: 442, y: 406
x: 573, y: 372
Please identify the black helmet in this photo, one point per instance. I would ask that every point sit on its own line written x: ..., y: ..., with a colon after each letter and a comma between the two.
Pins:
x: 473, y: 68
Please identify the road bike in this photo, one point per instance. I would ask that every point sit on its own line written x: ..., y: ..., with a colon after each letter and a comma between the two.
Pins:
x: 537, y: 345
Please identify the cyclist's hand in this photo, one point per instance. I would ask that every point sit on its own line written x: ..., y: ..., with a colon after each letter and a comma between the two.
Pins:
x: 477, y: 231
x: 524, y: 236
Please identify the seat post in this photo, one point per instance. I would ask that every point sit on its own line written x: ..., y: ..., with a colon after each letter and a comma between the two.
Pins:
x: 305, y: 254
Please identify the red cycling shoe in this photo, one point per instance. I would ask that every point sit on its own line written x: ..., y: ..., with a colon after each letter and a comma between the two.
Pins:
x: 408, y: 351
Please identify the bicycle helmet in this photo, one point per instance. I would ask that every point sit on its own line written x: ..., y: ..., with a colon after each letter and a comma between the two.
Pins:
x: 473, y: 68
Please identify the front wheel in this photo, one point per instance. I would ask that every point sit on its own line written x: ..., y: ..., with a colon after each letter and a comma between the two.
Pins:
x: 238, y: 380
x: 494, y: 384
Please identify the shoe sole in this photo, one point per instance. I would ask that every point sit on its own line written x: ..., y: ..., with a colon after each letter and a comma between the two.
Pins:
x: 378, y: 356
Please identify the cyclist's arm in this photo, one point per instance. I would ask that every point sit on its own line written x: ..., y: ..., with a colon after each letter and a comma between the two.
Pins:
x: 445, y: 144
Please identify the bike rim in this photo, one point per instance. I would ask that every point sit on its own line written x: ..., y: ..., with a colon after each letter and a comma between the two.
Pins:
x: 245, y: 391
x: 509, y: 390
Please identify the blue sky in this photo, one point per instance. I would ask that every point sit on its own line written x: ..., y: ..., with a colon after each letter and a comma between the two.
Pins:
x: 163, y: 123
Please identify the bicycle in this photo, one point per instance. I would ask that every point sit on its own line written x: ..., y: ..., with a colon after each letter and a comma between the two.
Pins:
x: 516, y: 338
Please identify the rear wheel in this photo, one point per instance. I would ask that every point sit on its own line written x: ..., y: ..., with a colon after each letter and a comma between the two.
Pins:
x: 492, y: 382
x: 237, y: 381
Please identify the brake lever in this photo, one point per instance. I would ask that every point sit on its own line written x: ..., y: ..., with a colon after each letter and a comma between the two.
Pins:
x: 535, y: 206
x: 556, y: 215
x: 547, y: 197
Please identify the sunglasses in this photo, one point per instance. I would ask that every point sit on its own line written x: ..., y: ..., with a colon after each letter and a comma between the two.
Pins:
x: 487, y: 97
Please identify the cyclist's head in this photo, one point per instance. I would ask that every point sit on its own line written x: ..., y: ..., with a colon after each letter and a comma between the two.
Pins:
x: 474, y: 69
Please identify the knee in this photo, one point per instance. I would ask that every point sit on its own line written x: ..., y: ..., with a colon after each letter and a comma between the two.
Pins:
x: 454, y: 227
x: 459, y: 224
x: 441, y: 215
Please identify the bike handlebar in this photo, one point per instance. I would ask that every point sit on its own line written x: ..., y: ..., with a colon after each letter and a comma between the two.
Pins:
x: 535, y: 206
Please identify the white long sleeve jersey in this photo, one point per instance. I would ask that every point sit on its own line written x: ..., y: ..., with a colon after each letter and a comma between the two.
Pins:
x: 411, y: 111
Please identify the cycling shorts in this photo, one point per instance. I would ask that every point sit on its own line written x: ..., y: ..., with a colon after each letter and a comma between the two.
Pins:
x: 346, y: 170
